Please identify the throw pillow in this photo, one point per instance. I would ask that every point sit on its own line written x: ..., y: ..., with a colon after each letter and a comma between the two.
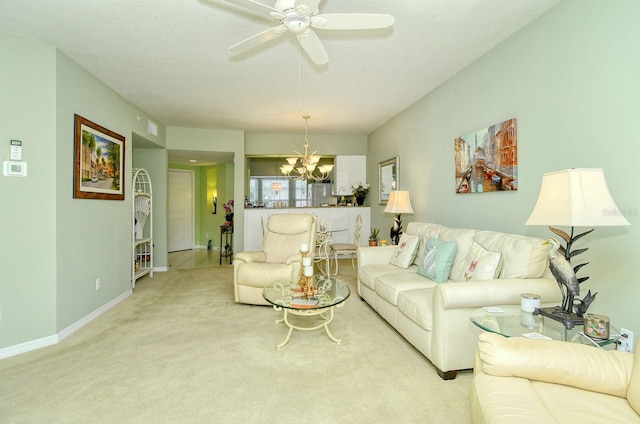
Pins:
x: 437, y: 260
x: 406, y: 251
x: 482, y: 264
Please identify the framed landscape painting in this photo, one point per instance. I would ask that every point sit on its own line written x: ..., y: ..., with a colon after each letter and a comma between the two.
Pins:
x: 487, y: 160
x: 98, y: 162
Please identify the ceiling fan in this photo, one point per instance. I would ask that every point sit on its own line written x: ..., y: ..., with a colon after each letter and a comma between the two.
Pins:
x: 301, y: 17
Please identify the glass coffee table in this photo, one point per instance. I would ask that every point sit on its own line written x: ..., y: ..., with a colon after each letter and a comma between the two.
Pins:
x: 329, y: 293
x: 513, y: 322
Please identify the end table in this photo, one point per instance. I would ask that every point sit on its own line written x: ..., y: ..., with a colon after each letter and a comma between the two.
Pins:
x: 226, y: 243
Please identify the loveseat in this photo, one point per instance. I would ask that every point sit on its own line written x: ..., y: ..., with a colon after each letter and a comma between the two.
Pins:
x: 518, y: 380
x: 433, y: 312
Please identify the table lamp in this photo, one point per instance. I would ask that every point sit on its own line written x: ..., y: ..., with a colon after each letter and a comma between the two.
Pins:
x: 399, y: 203
x: 575, y: 198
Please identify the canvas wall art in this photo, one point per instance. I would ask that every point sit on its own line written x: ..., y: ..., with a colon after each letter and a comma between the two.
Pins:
x: 99, y: 162
x: 487, y: 160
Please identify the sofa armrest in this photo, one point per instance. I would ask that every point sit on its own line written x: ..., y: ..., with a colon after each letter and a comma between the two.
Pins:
x: 569, y: 364
x: 250, y: 257
x: 375, y: 255
x: 454, y: 337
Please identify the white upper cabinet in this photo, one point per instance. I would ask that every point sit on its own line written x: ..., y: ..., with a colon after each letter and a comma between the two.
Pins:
x: 349, y: 170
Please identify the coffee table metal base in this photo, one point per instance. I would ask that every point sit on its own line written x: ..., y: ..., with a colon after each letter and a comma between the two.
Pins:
x: 326, y: 314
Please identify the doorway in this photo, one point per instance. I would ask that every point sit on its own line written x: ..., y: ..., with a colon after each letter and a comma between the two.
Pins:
x: 180, y: 214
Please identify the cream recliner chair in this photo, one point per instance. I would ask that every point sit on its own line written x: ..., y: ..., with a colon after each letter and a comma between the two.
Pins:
x: 278, y: 261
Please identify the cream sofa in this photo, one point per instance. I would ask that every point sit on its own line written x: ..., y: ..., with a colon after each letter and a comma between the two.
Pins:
x: 523, y: 381
x: 435, y: 317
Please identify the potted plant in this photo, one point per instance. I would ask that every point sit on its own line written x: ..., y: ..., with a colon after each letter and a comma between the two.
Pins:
x: 360, y: 192
x: 373, y: 237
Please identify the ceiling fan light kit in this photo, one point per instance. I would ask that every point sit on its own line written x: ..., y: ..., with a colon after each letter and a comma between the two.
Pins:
x: 299, y: 17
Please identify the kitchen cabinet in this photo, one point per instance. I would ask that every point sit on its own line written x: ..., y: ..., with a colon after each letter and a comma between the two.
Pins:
x: 349, y: 170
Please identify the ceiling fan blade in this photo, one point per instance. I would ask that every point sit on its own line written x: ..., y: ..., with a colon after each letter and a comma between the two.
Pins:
x: 351, y: 21
x: 260, y: 38
x: 256, y: 7
x: 313, y: 46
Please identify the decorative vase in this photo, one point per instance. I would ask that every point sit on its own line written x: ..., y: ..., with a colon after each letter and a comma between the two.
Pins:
x: 229, y: 218
x: 360, y: 200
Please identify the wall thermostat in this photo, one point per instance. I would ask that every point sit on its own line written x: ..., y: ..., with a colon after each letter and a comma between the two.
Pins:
x: 14, y: 169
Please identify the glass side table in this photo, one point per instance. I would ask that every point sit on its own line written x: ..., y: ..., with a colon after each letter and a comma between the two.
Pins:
x: 512, y: 322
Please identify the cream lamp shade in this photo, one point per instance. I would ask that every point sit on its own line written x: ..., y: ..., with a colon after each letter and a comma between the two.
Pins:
x: 399, y: 202
x: 577, y: 198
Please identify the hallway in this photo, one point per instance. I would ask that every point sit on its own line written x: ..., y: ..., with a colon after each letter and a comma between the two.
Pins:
x: 195, y: 258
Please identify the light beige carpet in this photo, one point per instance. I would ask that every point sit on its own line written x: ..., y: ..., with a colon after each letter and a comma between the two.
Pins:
x: 181, y: 351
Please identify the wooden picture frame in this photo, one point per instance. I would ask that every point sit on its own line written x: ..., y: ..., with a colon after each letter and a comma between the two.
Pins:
x: 388, y: 178
x: 98, y: 162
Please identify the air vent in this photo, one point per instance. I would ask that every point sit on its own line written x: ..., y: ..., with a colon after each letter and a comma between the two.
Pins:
x: 152, y: 128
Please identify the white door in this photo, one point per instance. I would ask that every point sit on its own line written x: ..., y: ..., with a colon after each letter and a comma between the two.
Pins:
x: 180, y: 210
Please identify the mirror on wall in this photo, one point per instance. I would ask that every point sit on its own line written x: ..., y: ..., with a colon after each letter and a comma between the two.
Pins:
x: 388, y: 178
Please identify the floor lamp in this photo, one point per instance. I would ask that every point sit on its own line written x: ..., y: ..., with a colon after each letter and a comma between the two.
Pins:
x: 575, y: 198
x: 399, y: 203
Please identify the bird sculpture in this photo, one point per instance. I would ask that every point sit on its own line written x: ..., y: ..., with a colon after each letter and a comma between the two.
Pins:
x: 582, y: 305
x: 564, y: 274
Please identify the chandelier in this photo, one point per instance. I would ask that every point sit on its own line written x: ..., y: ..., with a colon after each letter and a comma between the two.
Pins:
x: 305, y: 166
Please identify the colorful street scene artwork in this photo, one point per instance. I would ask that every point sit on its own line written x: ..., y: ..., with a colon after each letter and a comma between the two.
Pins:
x: 487, y: 160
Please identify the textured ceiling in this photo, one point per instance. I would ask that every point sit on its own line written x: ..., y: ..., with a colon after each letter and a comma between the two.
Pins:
x: 170, y: 57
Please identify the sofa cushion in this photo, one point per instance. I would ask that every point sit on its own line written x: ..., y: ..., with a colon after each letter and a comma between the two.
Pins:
x: 367, y: 274
x: 389, y: 286
x: 482, y: 264
x: 416, y: 305
x: 437, y: 260
x: 406, y: 250
x: 424, y: 231
x: 464, y: 239
x: 524, y: 257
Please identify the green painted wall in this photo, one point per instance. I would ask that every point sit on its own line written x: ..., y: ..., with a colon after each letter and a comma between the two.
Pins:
x: 54, y: 246
x: 28, y: 212
x: 571, y: 80
x: 155, y: 161
x: 286, y: 144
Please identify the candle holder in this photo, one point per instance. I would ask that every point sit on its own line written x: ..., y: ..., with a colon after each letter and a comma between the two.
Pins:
x: 306, y: 281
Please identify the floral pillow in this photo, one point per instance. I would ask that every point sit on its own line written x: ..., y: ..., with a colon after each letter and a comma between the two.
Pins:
x: 482, y: 264
x: 437, y: 260
x: 406, y: 251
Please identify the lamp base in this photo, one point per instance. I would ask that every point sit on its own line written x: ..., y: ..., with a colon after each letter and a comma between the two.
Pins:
x: 557, y: 314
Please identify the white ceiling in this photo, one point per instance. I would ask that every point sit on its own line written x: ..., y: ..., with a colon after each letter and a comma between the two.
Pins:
x: 170, y: 57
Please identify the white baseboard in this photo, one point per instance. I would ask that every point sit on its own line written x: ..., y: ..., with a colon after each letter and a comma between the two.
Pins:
x: 51, y: 340
x: 25, y: 347
x: 160, y: 269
